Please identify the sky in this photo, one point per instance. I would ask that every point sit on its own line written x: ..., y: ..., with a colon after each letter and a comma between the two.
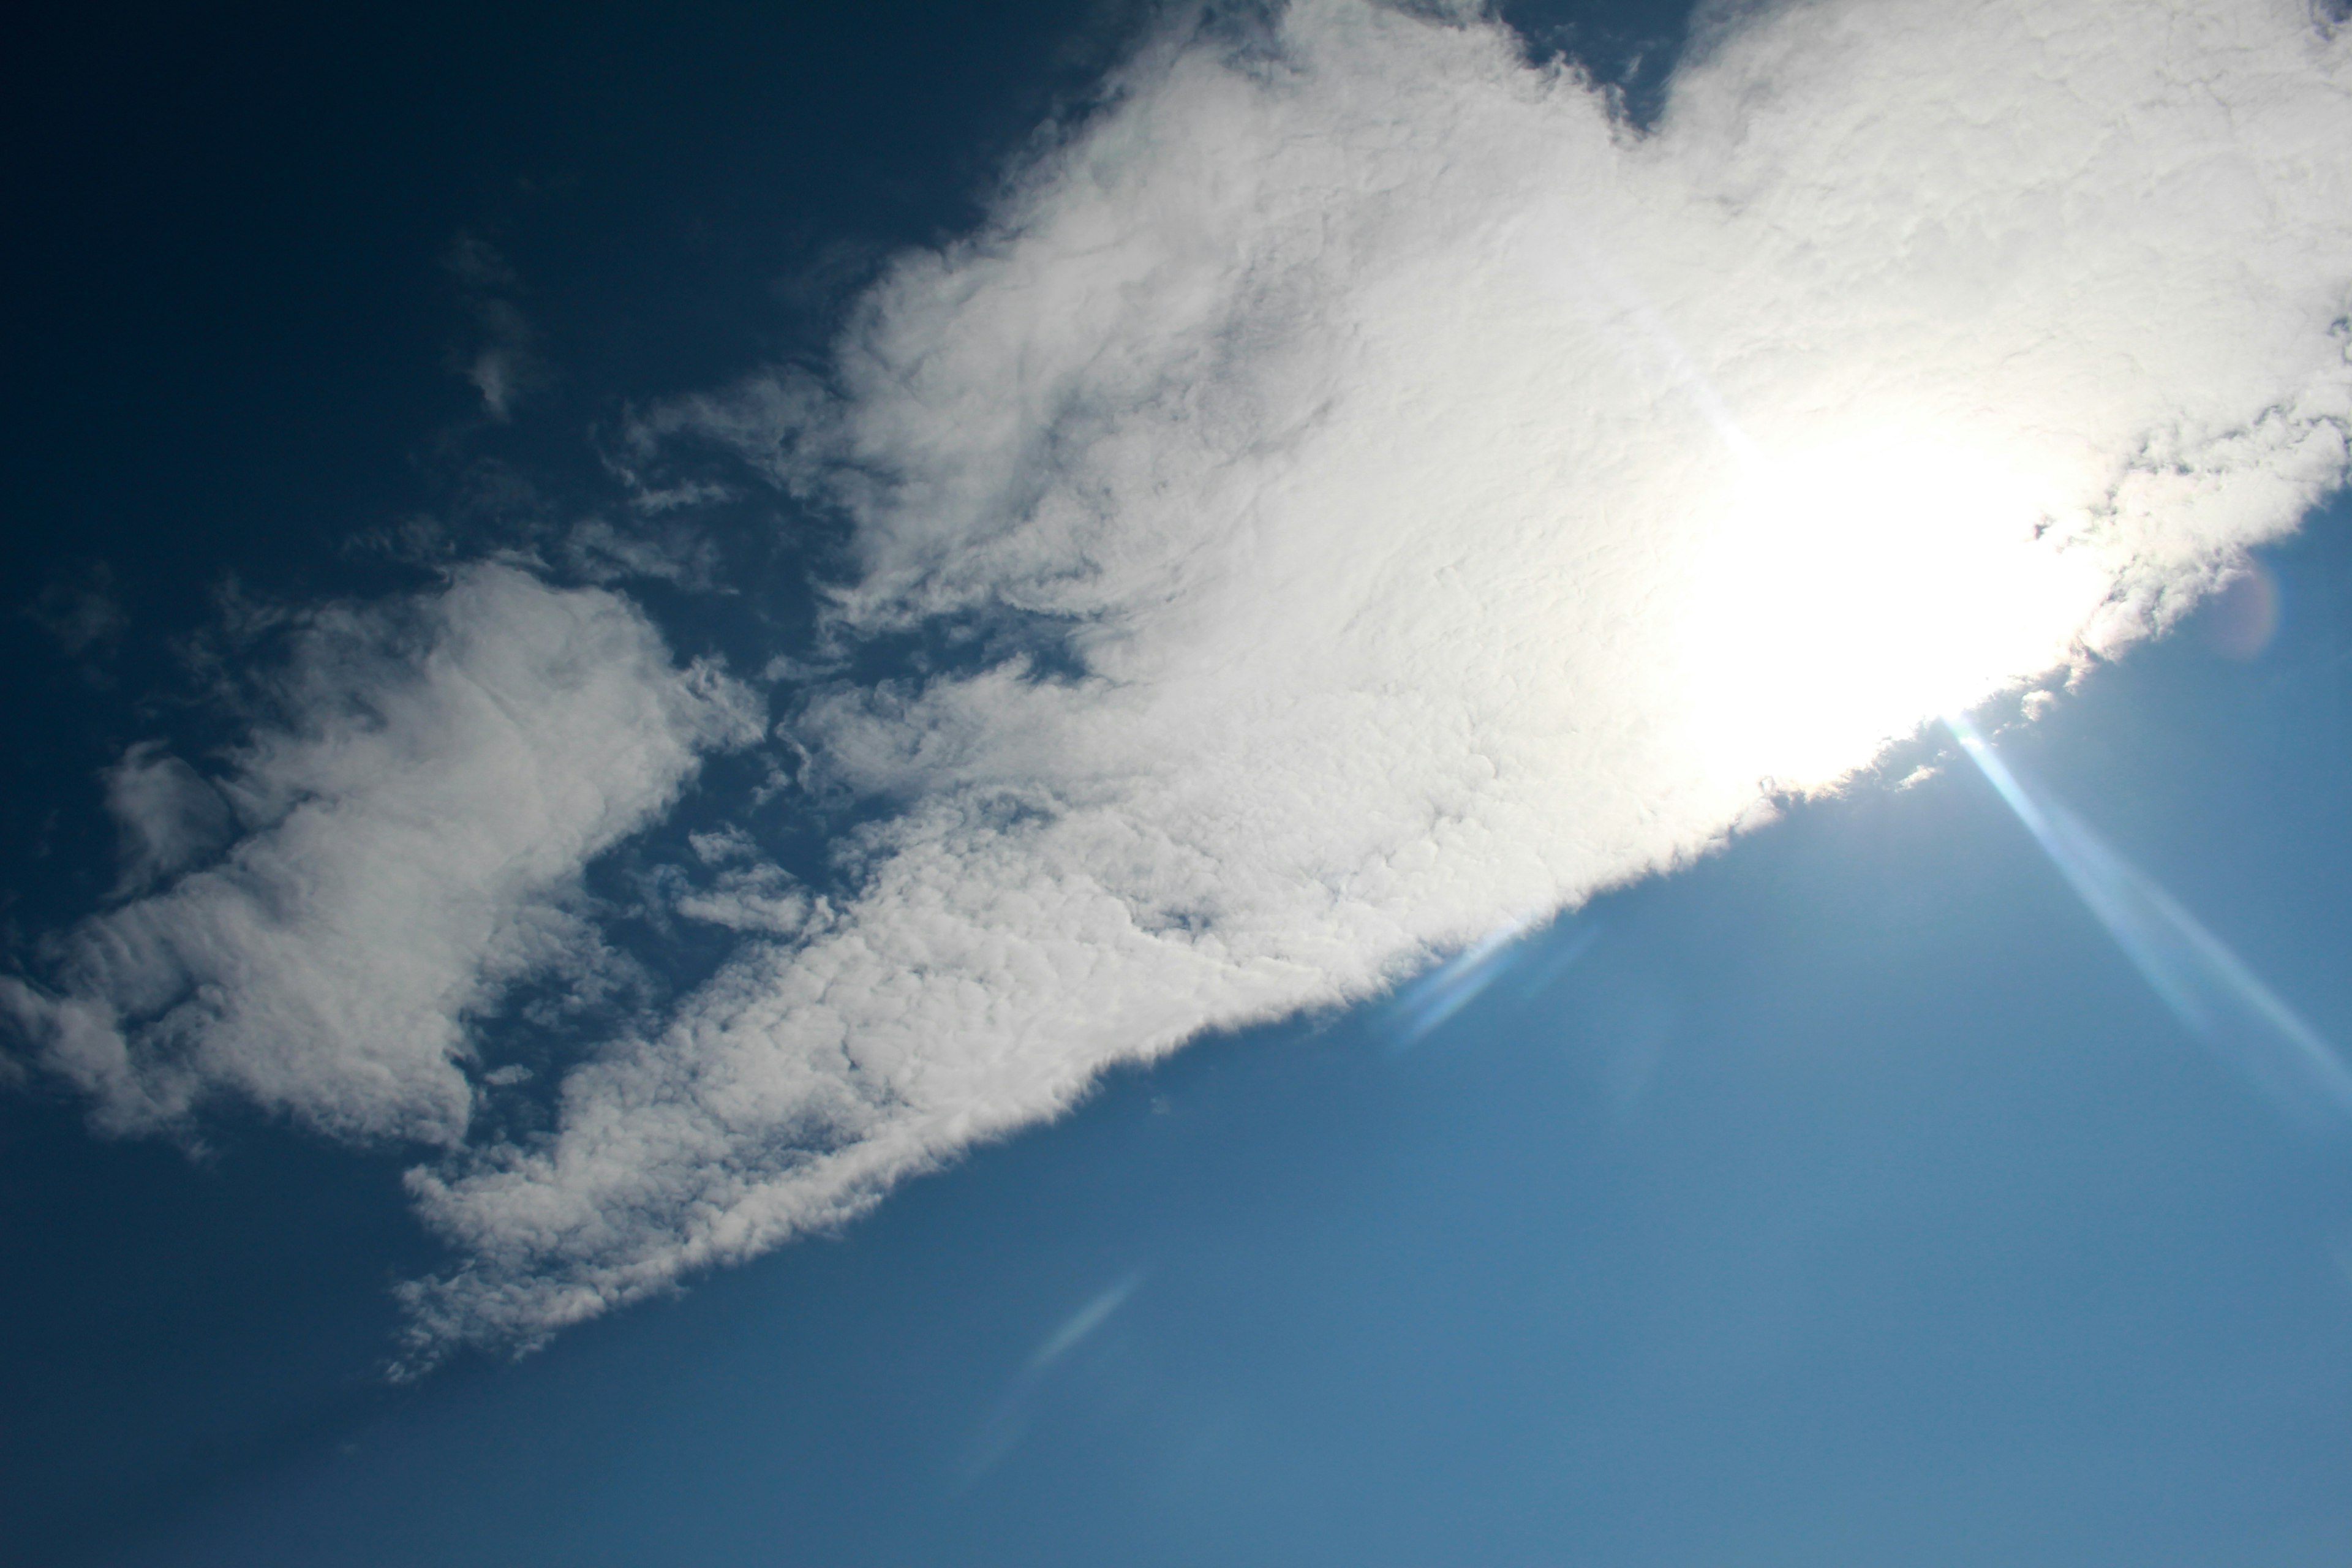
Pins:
x: 1154, y: 783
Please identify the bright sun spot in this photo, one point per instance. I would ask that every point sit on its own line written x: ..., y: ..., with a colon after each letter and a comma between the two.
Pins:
x: 1852, y: 591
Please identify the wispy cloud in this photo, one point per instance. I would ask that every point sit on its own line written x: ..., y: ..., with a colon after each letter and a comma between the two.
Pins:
x: 167, y: 815
x: 1372, y: 418
x: 501, y: 362
x: 400, y: 843
x: 81, y: 613
x: 1424, y: 503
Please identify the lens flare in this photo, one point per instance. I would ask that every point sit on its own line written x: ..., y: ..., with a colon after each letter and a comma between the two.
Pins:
x: 2207, y: 987
x: 1008, y: 1421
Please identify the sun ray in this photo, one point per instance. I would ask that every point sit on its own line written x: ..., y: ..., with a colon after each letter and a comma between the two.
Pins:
x: 2206, y: 985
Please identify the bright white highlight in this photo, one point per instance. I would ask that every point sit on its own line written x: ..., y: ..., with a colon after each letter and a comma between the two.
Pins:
x: 1849, y: 582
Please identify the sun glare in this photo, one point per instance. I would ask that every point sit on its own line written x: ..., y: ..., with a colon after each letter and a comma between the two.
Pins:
x: 1852, y: 591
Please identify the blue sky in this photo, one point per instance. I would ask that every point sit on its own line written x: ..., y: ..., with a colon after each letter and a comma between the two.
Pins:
x: 716, y: 472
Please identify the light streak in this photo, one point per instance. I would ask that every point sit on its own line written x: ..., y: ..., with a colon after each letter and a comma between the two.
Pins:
x: 2207, y: 987
x: 1008, y: 1421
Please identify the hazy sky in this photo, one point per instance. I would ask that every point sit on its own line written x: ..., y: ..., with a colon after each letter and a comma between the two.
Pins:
x: 1700, y: 660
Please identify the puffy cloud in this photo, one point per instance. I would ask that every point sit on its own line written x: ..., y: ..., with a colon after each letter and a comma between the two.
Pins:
x: 411, y: 831
x: 1444, y: 502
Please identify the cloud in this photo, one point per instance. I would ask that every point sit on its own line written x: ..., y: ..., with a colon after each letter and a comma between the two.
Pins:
x: 1390, y: 499
x: 411, y: 831
x: 596, y: 551
x: 167, y: 816
x: 1443, y: 503
x: 83, y: 615
x: 502, y: 367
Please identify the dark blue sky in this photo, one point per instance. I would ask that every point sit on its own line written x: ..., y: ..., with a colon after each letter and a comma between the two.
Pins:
x: 1847, y: 1197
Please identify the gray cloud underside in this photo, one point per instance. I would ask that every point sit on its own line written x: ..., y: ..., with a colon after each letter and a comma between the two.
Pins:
x: 1372, y: 415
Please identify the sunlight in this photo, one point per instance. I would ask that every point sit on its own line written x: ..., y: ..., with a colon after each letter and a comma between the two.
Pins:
x: 2208, y: 987
x: 1853, y: 591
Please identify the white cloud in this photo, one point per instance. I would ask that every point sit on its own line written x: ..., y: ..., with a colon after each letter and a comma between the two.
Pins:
x: 414, y: 827
x: 1450, y: 503
x: 1377, y: 419
x: 761, y: 898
